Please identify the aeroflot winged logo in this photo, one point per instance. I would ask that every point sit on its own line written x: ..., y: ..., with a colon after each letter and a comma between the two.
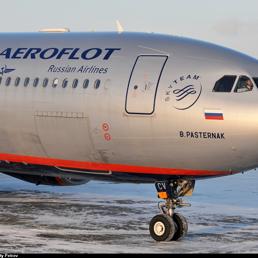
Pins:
x: 4, y: 70
x: 56, y: 53
x: 184, y: 91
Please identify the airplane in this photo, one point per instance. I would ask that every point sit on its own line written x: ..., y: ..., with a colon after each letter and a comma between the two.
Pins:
x: 126, y: 107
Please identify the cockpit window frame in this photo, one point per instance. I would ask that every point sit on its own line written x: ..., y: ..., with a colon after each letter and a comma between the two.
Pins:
x: 216, y: 88
x: 254, y: 78
x: 248, y: 77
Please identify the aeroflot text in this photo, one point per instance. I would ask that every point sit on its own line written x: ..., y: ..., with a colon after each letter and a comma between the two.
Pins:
x: 55, y: 53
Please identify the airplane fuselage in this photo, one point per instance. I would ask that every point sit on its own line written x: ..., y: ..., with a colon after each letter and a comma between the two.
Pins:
x: 132, y: 103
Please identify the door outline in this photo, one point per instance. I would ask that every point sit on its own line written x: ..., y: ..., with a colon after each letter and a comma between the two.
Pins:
x: 157, y: 86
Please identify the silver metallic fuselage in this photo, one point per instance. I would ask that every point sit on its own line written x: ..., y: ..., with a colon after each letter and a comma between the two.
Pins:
x: 120, y: 124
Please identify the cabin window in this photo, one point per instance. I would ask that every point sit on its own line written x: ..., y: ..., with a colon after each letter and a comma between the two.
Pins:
x: 75, y: 83
x: 8, y: 81
x: 36, y: 82
x: 26, y: 81
x: 86, y: 83
x: 55, y: 83
x: 97, y: 84
x: 45, y: 82
x: 244, y: 84
x: 17, y: 81
x: 225, y: 84
x: 65, y: 83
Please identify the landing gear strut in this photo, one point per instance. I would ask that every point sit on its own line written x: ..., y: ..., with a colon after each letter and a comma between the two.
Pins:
x: 171, y: 226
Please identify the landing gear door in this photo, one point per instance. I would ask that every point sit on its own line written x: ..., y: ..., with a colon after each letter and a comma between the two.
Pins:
x: 143, y: 84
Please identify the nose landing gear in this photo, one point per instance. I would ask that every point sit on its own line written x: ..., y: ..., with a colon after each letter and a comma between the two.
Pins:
x: 171, y: 226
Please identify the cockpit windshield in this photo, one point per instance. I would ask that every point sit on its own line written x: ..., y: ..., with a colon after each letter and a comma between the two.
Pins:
x: 256, y: 81
x: 244, y: 84
x: 225, y: 84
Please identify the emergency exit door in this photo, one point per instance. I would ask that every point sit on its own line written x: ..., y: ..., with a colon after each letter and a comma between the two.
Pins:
x: 143, y: 84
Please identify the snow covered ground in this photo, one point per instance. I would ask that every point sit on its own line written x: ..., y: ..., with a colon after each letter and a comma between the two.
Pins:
x: 113, y: 218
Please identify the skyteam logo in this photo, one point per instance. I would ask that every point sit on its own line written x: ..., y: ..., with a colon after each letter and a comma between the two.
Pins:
x: 184, y: 91
x: 5, y: 70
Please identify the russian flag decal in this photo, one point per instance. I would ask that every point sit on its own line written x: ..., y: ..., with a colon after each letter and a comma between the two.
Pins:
x: 213, y: 115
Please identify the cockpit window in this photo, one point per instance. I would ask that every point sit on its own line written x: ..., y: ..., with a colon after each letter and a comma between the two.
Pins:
x: 225, y: 84
x: 256, y: 81
x: 244, y: 84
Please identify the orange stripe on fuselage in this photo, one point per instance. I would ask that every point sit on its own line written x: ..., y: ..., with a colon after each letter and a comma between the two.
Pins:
x: 107, y: 167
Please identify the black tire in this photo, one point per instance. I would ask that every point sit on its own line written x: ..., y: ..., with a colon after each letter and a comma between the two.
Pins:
x: 162, y: 228
x: 181, y: 226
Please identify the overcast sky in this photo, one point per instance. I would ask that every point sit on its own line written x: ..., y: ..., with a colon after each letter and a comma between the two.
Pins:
x: 231, y: 23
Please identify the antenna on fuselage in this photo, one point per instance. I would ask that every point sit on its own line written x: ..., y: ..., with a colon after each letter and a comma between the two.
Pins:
x: 119, y: 27
x: 55, y: 30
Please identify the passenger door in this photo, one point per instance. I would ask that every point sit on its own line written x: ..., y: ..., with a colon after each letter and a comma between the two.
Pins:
x: 143, y: 84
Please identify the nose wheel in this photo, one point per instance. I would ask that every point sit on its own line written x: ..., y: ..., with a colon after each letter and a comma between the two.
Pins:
x: 181, y: 226
x: 171, y: 226
x: 162, y: 228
